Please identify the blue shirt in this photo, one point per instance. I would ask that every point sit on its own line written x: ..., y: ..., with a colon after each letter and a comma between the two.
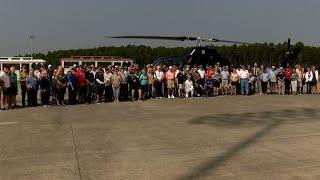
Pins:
x: 32, y: 82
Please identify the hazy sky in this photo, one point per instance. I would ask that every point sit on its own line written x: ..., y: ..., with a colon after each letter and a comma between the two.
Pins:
x: 65, y: 24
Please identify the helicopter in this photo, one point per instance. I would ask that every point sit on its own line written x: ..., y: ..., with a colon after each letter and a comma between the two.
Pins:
x: 291, y: 56
x: 198, y: 56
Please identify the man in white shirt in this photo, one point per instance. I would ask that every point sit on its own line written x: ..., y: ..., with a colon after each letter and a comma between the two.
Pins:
x: 244, y: 75
x: 108, y: 85
x: 6, y: 83
x: 159, y: 76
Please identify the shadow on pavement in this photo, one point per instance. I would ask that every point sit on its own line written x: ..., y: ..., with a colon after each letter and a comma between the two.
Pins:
x: 269, y: 120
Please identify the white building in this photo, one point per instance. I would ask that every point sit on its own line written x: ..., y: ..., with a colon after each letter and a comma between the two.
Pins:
x: 20, y: 61
x: 97, y: 61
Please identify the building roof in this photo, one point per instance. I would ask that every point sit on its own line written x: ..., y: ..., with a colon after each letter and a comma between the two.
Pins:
x: 96, y: 58
x: 18, y: 60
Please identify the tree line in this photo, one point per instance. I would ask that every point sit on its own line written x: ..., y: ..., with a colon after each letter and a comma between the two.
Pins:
x: 267, y: 53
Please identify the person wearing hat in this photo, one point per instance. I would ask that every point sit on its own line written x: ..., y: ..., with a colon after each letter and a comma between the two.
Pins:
x: 170, y: 76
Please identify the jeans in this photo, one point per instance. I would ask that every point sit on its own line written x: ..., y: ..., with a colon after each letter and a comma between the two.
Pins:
x: 60, y: 95
x: 116, y: 92
x: 23, y: 93
x: 159, y: 88
x: 45, y: 96
x: 244, y: 87
x: 287, y: 84
x: 32, y: 97
x: 264, y: 87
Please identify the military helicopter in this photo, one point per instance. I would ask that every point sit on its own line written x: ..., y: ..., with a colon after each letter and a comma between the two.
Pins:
x: 291, y: 56
x: 198, y: 56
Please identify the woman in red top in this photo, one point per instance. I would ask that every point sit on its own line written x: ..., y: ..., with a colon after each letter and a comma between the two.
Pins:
x: 81, y: 83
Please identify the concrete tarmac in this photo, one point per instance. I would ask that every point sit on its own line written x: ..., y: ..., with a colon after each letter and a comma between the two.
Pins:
x: 256, y: 137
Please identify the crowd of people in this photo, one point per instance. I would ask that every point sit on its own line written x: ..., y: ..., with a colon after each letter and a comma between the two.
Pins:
x: 89, y: 84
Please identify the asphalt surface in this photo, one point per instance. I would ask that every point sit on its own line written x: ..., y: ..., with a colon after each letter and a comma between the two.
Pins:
x: 257, y: 137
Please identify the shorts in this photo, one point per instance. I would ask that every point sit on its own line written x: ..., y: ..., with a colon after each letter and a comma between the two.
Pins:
x: 225, y: 83
x: 170, y: 84
x: 216, y: 83
x: 144, y: 88
x: 234, y: 83
x: 208, y: 82
x: 100, y: 90
x: 5, y: 91
x: 13, y: 90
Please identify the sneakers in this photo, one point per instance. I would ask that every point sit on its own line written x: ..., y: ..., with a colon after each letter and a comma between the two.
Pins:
x: 172, y: 97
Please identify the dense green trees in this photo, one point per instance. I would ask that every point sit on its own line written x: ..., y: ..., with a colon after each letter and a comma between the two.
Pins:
x: 238, y: 54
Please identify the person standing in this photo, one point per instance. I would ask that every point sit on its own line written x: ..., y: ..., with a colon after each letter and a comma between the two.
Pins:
x: 309, y: 78
x: 124, y: 93
x: 61, y: 84
x: 299, y: 78
x: 134, y: 84
x: 244, y: 74
x: 159, y: 78
x: 99, y: 84
x: 151, y: 89
x: 216, y: 81
x: 170, y: 77
x: 23, y: 85
x: 5, y: 79
x: 143, y: 78
x: 108, y: 85
x: 314, y: 86
x: 287, y: 79
x: 294, y: 82
x: 257, y: 81
x: 234, y: 78
x: 264, y: 81
x: 13, y: 88
x: 45, y: 88
x: 90, y: 84
x: 32, y: 89
x: 72, y: 86
x: 116, y: 84
x: 280, y: 77
x: 81, y: 84
x: 273, y: 80
x: 225, y: 81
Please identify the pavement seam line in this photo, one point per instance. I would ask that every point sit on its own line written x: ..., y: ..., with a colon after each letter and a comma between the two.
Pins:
x: 75, y: 151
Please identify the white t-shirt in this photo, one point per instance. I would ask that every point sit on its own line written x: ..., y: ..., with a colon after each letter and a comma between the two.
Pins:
x: 243, y: 74
x: 202, y: 73
x: 188, y: 85
x: 159, y: 75
x: 5, y: 78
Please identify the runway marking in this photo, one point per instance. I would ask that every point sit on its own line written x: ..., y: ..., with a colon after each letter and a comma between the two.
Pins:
x: 8, y: 123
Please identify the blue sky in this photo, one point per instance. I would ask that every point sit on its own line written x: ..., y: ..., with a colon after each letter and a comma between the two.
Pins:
x: 65, y: 24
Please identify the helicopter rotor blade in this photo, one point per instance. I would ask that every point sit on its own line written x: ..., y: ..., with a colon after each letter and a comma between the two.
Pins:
x: 225, y: 41
x: 174, y: 38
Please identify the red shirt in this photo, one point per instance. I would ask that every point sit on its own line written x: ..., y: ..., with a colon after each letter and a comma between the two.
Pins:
x: 80, y: 75
x: 287, y: 73
x: 209, y: 74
